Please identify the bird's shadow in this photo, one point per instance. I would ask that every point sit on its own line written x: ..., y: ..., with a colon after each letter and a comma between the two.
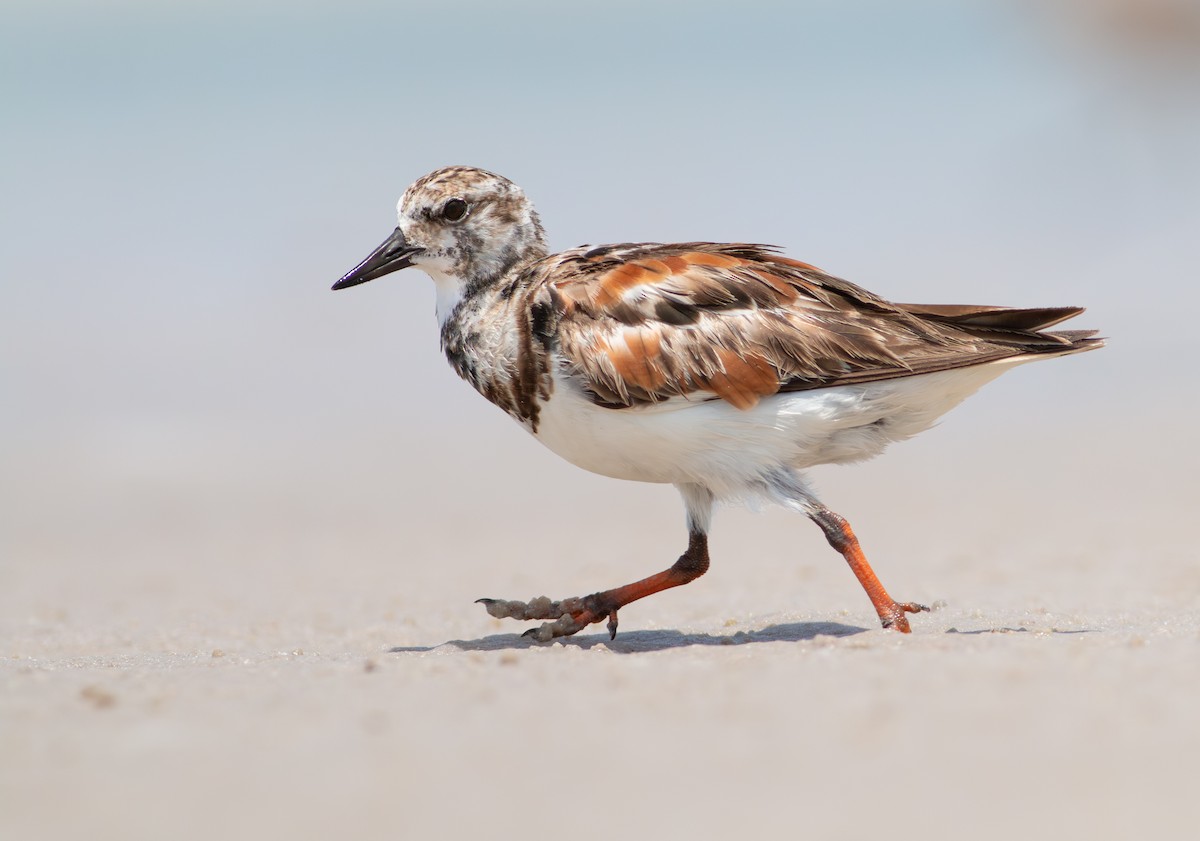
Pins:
x: 632, y: 642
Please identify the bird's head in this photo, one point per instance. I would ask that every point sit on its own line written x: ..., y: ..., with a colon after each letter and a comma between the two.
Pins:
x: 462, y: 226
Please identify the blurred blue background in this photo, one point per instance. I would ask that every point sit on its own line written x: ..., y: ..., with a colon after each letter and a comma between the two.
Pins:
x: 182, y: 182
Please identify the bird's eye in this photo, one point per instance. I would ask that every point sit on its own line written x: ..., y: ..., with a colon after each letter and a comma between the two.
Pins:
x: 454, y: 210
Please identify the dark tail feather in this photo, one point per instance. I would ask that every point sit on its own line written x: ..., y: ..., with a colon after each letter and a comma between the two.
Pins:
x: 1003, y: 318
x: 1016, y: 327
x: 1078, y: 340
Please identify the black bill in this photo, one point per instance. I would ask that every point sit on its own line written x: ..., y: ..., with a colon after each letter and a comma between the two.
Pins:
x: 393, y: 254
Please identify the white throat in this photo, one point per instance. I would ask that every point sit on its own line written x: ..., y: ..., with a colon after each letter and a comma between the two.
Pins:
x: 449, y: 293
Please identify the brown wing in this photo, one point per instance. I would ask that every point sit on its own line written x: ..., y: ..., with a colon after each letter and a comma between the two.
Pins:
x: 641, y: 323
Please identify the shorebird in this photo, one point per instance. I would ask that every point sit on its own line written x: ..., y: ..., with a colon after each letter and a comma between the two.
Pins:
x: 724, y: 369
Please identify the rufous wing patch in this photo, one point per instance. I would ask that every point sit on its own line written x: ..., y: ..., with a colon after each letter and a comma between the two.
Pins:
x: 635, y: 356
x: 613, y: 285
x: 709, y: 258
x: 742, y: 380
x: 655, y: 266
x: 675, y: 263
x: 796, y: 264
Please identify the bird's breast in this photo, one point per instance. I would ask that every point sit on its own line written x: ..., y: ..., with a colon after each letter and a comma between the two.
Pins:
x: 493, y: 346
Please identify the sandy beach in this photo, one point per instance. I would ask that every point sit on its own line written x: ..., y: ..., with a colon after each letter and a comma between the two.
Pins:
x: 319, y: 672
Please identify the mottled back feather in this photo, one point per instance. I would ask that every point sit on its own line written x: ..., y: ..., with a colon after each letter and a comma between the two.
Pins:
x: 641, y: 323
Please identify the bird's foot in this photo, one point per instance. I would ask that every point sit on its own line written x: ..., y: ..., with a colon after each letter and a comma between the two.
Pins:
x: 892, y: 616
x: 569, y: 615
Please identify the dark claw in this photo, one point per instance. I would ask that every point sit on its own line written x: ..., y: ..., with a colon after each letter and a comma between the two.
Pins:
x: 612, y: 625
x: 485, y: 601
x: 532, y: 632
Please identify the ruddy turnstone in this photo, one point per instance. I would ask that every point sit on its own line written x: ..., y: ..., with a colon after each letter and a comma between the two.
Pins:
x: 724, y: 369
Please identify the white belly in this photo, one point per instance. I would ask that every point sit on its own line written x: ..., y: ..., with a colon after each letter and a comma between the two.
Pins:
x: 710, y: 442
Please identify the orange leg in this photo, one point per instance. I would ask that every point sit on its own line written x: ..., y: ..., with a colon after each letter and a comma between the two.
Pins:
x: 574, y: 614
x: 841, y: 537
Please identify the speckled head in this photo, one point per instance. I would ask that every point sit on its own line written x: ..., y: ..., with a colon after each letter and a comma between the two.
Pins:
x: 463, y: 226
